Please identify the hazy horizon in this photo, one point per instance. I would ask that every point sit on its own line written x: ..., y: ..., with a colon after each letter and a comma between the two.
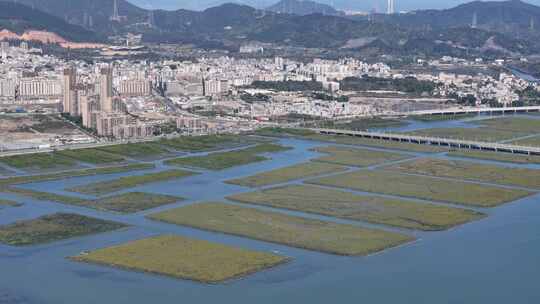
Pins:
x: 364, y: 5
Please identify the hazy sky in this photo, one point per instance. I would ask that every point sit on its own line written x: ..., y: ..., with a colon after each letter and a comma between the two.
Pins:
x: 365, y: 5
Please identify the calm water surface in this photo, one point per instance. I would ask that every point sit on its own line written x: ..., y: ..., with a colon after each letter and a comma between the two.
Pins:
x: 495, y: 260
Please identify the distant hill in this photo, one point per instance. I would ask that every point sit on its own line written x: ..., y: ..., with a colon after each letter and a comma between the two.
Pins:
x: 19, y: 18
x: 92, y: 14
x: 503, y: 28
x: 303, y: 7
x: 512, y: 16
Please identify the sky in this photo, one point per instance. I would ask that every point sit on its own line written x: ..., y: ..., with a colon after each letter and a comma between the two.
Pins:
x: 364, y: 5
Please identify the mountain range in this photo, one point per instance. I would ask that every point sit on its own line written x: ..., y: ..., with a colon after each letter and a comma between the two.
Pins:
x: 18, y: 18
x: 303, y: 7
x: 501, y: 27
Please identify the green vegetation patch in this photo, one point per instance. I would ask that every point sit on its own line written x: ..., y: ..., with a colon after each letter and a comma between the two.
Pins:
x: 137, y: 150
x: 46, y: 196
x: 283, y: 229
x: 476, y: 134
x: 470, y: 171
x: 356, y: 157
x: 133, y: 202
x: 38, y: 161
x: 528, y: 142
x: 288, y: 86
x: 70, y: 174
x: 184, y: 258
x: 497, y: 156
x: 50, y: 228
x: 346, y: 205
x: 127, y: 182
x: 512, y: 124
x: 442, y: 117
x: 362, y: 124
x: 92, y: 156
x: 423, y: 187
x: 205, y: 143
x: 124, y: 203
x: 282, y: 132
x: 286, y: 174
x: 224, y: 160
x: 8, y: 203
x: 408, y: 85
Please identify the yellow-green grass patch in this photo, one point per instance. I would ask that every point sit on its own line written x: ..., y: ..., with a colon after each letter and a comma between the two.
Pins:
x: 127, y: 182
x: 137, y: 150
x: 55, y: 227
x: 464, y: 170
x: 513, y: 124
x: 346, y: 205
x: 475, y: 134
x: 205, y: 143
x: 528, y: 142
x: 286, y: 174
x: 123, y: 203
x: 16, y: 180
x: 283, y: 229
x: 184, y: 258
x: 38, y: 161
x: 92, y: 156
x: 497, y: 156
x: 133, y: 202
x: 46, y: 196
x: 224, y: 160
x: 361, y: 124
x: 443, y: 117
x: 423, y: 187
x: 356, y: 157
x: 9, y: 203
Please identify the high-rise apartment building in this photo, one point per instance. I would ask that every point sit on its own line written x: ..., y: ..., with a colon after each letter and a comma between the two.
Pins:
x: 391, y: 8
x: 69, y: 92
x: 106, y: 89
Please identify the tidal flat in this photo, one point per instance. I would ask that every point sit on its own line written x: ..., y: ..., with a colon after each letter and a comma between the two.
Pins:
x: 17, y: 180
x: 137, y: 150
x: 282, y: 175
x: 339, y: 239
x: 38, y: 161
x: 497, y: 156
x: 482, y: 134
x: 206, y: 143
x: 373, y: 209
x: 132, y: 202
x: 528, y: 142
x: 126, y: 203
x: 54, y: 227
x: 465, y: 170
x: 225, y: 160
x: 356, y: 157
x: 93, y: 156
x: 100, y: 188
x: 9, y: 203
x: 184, y: 258
x: 423, y: 187
x: 511, y: 124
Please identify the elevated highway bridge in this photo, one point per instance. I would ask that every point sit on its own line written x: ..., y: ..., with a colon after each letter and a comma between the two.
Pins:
x: 434, y: 141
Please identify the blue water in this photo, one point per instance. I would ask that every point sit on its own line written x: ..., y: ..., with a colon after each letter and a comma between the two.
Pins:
x: 495, y: 260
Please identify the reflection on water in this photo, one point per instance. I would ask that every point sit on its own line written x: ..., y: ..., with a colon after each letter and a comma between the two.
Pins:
x: 494, y: 260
